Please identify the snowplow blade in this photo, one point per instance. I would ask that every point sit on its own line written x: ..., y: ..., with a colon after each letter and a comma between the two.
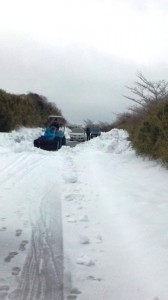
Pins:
x: 47, y: 145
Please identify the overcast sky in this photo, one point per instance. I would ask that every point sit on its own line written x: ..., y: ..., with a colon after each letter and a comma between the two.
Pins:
x: 81, y: 54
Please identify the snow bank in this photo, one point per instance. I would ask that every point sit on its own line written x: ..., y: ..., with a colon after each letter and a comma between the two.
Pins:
x: 22, y: 139
x: 25, y: 134
x: 115, y: 141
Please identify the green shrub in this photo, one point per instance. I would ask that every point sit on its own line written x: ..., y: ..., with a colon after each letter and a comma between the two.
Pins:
x: 29, y: 110
x: 149, y: 134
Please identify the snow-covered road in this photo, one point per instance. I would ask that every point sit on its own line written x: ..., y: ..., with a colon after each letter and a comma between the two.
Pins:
x: 89, y: 222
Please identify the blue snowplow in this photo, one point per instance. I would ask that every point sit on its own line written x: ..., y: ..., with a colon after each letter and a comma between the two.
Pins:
x: 54, y: 135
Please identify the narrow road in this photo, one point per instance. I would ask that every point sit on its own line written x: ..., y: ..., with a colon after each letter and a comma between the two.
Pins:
x: 72, y: 143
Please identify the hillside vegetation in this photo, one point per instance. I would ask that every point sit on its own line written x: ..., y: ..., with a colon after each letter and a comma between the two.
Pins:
x: 29, y: 110
x: 147, y: 121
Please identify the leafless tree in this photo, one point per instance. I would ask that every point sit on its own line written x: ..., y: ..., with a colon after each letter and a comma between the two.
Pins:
x: 146, y: 92
x: 88, y: 123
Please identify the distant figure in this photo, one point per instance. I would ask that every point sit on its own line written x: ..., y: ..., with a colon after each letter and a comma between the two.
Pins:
x: 88, y: 133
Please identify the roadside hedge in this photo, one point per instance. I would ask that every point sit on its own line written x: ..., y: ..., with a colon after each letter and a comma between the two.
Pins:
x: 149, y: 133
x: 151, y: 136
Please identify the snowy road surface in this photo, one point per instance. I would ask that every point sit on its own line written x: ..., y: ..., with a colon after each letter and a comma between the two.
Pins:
x: 89, y: 222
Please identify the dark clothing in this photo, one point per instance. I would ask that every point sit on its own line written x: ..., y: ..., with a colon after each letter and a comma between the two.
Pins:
x: 55, y: 125
x: 88, y: 133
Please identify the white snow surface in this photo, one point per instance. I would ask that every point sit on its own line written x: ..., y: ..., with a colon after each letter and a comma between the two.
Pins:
x: 114, y: 213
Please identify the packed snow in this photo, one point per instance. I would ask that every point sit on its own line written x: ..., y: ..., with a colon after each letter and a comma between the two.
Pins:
x: 114, y: 217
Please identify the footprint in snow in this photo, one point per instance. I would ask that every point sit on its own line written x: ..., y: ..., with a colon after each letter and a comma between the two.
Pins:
x: 98, y: 239
x: 22, y: 246
x: 71, y: 220
x: 3, y: 229
x: 71, y: 297
x: 91, y: 277
x: 71, y: 197
x: 10, y: 256
x: 15, y: 271
x: 4, y: 288
x: 75, y: 291
x: 84, y: 218
x: 18, y: 232
x: 85, y: 260
x: 73, y: 179
x: 84, y: 240
x: 70, y: 179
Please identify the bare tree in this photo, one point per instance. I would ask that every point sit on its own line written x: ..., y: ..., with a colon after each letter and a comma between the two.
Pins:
x: 88, y: 123
x: 146, y: 92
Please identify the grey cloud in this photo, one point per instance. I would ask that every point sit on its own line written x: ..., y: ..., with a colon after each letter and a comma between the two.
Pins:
x: 84, y: 83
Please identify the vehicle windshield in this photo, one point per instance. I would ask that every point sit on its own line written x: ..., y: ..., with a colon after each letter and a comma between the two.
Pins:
x: 95, y: 129
x: 77, y: 130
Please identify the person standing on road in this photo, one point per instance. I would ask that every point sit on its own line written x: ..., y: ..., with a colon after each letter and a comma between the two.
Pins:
x: 88, y: 133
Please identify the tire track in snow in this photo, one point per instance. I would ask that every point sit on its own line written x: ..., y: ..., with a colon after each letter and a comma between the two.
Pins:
x: 19, y: 169
x: 42, y: 275
x: 15, y: 162
x: 12, y: 167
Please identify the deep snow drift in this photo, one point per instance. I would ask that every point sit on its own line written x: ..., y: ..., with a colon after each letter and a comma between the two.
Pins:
x: 114, y: 216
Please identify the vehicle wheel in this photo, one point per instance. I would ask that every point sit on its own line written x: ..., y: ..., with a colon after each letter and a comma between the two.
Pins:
x: 60, y: 143
x: 63, y: 141
x: 57, y: 144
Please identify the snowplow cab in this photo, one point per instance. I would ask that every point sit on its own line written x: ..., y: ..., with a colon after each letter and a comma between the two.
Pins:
x: 54, y: 135
x: 57, y: 120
